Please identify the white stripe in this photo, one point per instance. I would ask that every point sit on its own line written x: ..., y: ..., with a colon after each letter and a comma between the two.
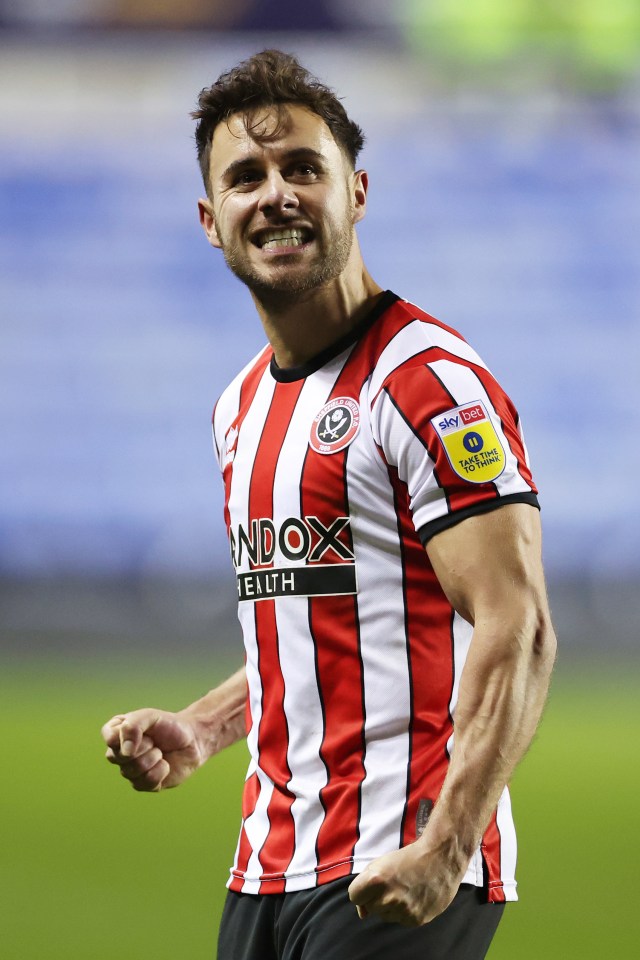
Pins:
x: 462, y: 634
x: 257, y: 825
x: 302, y: 706
x: 413, y: 339
x: 508, y: 845
x: 383, y: 649
x: 524, y: 445
x: 405, y: 451
x: 228, y: 404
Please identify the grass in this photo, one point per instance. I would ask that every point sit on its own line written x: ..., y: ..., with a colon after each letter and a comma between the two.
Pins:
x: 91, y: 870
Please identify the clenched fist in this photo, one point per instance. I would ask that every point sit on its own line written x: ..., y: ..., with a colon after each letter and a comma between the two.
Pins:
x: 155, y: 749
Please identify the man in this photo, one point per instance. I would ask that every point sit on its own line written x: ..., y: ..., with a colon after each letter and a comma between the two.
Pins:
x: 384, y: 528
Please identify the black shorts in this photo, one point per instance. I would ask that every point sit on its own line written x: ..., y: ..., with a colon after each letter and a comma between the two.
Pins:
x: 322, y: 924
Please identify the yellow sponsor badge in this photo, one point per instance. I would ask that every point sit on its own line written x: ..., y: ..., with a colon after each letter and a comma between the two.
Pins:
x: 471, y: 442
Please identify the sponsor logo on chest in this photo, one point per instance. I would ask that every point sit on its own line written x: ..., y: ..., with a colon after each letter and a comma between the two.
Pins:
x: 306, y: 540
x: 471, y: 443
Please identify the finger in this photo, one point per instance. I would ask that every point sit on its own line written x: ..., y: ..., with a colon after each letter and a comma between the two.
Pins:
x: 139, y: 766
x: 114, y: 755
x: 400, y: 916
x: 130, y: 734
x: 124, y: 732
x: 363, y: 913
x: 110, y: 730
x: 365, y: 887
x: 394, y: 911
x: 151, y: 781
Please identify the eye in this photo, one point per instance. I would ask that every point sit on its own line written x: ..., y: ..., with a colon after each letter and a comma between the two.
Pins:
x: 304, y: 171
x: 247, y: 178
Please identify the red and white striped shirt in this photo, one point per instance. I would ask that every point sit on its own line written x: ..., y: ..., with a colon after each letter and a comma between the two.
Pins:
x: 336, y: 474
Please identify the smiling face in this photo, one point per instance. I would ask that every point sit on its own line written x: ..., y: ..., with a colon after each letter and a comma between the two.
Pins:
x: 283, y: 201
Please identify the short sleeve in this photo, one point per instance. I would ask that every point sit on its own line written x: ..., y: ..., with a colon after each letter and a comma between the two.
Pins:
x: 454, y: 438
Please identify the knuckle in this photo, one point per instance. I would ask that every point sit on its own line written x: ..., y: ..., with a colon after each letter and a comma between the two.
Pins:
x: 141, y: 785
x: 375, y: 878
x: 151, y: 759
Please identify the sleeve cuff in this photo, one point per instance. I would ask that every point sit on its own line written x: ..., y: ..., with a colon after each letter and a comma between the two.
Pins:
x: 430, y: 529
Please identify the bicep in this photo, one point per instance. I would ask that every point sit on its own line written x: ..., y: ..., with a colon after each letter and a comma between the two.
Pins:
x: 490, y: 565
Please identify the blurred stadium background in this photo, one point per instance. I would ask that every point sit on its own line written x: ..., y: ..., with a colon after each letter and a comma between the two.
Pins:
x: 503, y: 150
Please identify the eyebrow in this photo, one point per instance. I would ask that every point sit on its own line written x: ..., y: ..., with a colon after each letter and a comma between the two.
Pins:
x: 299, y: 153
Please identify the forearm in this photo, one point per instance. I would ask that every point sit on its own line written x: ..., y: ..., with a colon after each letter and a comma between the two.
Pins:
x: 218, y: 718
x: 502, y: 693
x: 489, y: 567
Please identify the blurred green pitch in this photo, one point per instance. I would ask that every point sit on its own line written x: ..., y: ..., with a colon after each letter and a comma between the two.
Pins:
x: 91, y: 870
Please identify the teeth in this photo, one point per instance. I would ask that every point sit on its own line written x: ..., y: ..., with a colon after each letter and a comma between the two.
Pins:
x: 291, y: 242
x: 274, y: 238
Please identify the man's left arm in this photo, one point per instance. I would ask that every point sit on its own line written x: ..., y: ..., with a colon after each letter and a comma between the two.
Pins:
x: 490, y: 568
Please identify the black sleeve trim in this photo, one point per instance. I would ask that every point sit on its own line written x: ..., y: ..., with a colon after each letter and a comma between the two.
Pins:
x: 484, y: 506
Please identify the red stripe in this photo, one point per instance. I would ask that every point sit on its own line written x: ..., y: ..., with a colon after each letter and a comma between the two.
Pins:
x: 247, y: 393
x: 250, y: 796
x: 417, y: 361
x: 397, y: 316
x: 335, y: 631
x: 420, y: 396
x: 251, y: 790
x: 273, y: 734
x: 334, y: 873
x: 490, y: 847
x: 430, y: 656
x: 334, y: 626
x: 419, y: 314
x: 509, y: 420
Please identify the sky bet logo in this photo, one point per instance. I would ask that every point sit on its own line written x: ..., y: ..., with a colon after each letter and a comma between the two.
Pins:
x: 462, y: 417
x: 473, y: 448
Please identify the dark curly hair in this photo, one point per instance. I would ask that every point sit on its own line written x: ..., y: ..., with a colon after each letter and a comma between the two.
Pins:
x: 270, y: 79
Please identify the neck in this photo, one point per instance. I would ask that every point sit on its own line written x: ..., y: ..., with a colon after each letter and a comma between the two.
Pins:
x: 300, y: 325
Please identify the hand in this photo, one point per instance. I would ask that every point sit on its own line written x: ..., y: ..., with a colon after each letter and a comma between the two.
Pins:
x: 407, y: 886
x: 154, y: 749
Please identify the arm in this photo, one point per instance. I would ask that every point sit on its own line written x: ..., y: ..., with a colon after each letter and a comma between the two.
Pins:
x: 157, y: 749
x: 490, y: 568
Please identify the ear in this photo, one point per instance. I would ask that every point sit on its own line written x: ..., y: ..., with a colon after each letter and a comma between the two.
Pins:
x: 208, y: 222
x: 360, y: 187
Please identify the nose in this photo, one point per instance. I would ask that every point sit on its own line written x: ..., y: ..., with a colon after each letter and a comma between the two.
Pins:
x: 277, y: 195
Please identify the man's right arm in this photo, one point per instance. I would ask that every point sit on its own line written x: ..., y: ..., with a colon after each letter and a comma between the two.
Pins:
x: 157, y: 749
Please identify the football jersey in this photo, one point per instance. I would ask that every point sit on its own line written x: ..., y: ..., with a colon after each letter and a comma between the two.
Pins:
x: 336, y: 475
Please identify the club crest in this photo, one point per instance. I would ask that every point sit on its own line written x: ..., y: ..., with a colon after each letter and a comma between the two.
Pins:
x: 336, y: 426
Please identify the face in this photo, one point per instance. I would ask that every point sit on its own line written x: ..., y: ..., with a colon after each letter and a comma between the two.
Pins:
x: 282, y: 210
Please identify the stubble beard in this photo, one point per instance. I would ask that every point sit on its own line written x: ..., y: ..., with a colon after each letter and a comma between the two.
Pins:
x: 285, y: 284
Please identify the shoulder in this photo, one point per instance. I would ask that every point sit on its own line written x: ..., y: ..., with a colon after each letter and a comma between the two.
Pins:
x: 228, y: 403
x: 409, y: 340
